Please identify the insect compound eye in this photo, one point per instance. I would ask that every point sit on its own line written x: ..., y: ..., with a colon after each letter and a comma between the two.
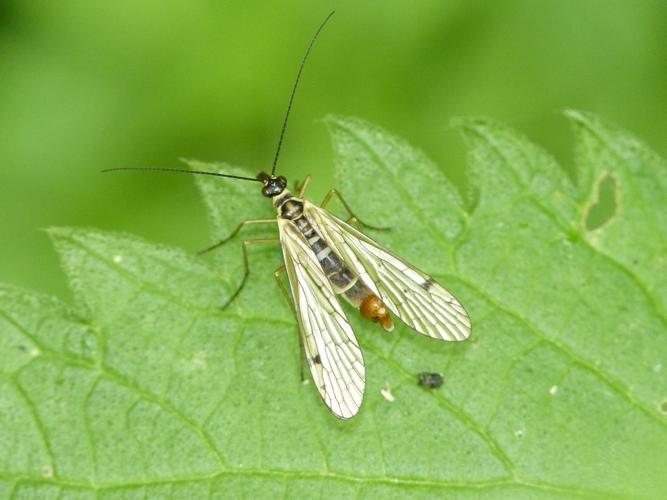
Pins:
x: 264, y: 177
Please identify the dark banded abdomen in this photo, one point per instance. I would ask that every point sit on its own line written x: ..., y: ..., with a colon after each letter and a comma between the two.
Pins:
x: 343, y: 279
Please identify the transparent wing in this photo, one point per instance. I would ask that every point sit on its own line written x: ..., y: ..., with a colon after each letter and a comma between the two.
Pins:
x: 410, y: 294
x: 332, y: 352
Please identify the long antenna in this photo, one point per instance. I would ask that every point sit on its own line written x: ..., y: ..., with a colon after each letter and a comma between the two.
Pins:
x: 296, y: 83
x: 180, y: 171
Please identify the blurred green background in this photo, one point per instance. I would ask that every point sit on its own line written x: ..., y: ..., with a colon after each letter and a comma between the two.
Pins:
x: 87, y: 85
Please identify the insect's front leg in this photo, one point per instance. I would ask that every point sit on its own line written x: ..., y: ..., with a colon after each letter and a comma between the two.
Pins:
x: 301, y: 188
x: 246, y: 266
x: 235, y: 232
x: 353, y: 219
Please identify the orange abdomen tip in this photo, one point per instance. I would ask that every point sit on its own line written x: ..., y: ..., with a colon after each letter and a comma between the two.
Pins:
x: 374, y: 309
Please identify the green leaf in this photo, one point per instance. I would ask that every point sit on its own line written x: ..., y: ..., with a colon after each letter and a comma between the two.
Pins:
x: 144, y: 388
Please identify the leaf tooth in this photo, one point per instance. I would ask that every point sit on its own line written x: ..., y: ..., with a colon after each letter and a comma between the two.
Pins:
x: 107, y: 269
x: 506, y: 167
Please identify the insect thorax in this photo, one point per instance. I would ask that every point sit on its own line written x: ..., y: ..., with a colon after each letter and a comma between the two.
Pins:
x: 288, y: 206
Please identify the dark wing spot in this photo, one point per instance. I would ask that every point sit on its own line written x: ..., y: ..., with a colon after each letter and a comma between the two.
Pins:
x: 427, y: 284
x: 317, y: 360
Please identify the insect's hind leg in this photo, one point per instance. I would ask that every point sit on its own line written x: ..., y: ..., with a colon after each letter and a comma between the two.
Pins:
x: 353, y: 217
x: 302, y: 352
x: 235, y: 232
x: 246, y: 266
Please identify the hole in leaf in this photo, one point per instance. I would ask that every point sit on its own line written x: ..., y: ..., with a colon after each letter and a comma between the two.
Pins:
x: 603, y: 207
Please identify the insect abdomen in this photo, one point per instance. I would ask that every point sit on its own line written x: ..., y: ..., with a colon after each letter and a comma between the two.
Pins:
x: 340, y: 276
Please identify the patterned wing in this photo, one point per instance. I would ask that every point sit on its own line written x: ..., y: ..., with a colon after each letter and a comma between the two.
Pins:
x: 332, y: 352
x: 410, y: 294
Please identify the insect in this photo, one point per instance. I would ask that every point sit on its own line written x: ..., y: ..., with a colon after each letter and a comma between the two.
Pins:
x: 430, y: 380
x: 326, y: 257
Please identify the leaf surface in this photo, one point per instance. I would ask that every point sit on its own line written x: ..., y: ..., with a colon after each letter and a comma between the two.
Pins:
x: 144, y: 388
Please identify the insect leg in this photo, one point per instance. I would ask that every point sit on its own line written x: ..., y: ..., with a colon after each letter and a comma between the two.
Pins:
x: 277, y: 274
x: 353, y: 218
x: 246, y: 266
x: 302, y: 352
x: 301, y: 188
x: 235, y: 232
